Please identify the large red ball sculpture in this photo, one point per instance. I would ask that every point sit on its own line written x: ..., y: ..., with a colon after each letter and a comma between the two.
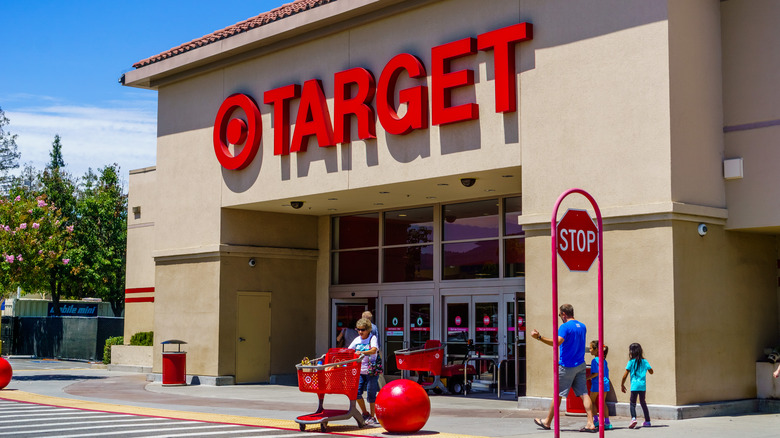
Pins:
x: 5, y: 373
x: 402, y: 406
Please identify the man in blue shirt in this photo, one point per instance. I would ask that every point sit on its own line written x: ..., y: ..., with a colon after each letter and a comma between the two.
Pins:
x: 571, y: 365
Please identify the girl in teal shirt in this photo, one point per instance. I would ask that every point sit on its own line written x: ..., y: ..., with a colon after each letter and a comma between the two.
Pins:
x: 638, y: 368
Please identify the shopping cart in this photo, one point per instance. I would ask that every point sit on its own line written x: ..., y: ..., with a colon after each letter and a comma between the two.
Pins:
x: 428, y: 359
x: 339, y: 373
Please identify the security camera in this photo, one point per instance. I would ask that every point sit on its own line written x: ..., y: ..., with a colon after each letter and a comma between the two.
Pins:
x: 468, y: 182
x: 296, y: 204
x: 252, y: 263
x: 702, y: 229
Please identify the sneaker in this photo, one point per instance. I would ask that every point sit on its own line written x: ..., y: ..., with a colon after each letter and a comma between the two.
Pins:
x: 596, y: 419
x: 646, y: 424
x: 633, y: 423
x: 366, y: 416
x: 371, y: 422
x: 608, y: 426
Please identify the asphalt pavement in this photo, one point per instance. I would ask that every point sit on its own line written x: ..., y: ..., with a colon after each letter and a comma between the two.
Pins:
x: 273, y: 408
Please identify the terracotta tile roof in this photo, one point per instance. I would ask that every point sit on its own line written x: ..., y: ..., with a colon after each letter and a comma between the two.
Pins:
x: 244, y: 26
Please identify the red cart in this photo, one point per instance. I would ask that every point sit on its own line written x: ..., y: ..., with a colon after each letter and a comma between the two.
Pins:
x: 428, y: 359
x: 339, y: 373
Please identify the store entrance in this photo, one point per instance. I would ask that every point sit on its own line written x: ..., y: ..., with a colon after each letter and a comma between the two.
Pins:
x: 488, y: 332
x: 406, y: 323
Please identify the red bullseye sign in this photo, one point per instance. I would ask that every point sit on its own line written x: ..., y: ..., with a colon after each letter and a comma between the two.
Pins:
x: 236, y: 131
x: 578, y: 243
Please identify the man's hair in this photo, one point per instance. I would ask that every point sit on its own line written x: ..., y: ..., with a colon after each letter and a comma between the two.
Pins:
x: 367, y: 315
x: 568, y: 310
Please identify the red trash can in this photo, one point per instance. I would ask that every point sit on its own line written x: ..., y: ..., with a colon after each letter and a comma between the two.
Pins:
x: 174, y: 364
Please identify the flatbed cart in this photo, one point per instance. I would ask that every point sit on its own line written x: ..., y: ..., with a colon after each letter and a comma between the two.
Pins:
x: 339, y: 373
x: 428, y: 359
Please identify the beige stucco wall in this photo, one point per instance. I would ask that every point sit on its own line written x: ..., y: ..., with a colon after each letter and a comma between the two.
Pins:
x: 187, y: 309
x: 638, y: 303
x: 725, y: 311
x: 139, y: 317
x: 750, y: 65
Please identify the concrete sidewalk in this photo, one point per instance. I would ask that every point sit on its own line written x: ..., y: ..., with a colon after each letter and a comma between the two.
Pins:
x: 76, y: 384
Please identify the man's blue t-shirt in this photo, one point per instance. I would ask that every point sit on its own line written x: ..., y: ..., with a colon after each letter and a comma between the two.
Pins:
x: 572, y: 350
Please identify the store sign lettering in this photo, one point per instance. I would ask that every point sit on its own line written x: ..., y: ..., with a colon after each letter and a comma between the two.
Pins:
x: 314, y: 119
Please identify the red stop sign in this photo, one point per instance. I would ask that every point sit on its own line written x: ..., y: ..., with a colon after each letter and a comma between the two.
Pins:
x: 578, y: 243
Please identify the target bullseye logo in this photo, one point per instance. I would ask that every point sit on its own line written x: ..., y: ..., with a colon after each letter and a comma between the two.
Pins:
x: 237, y: 132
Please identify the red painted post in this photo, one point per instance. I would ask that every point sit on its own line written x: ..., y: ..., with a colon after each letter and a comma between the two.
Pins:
x: 554, y: 239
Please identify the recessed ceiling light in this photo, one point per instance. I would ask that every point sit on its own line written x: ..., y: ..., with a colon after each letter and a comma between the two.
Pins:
x: 490, y: 190
x: 333, y: 199
x: 332, y: 209
x: 430, y: 197
x: 378, y: 203
x: 442, y: 184
x: 383, y: 193
x: 401, y: 215
x: 507, y: 176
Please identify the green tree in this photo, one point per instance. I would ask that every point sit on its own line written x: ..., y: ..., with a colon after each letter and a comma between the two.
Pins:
x: 9, y: 154
x: 60, y: 191
x: 102, y: 237
x: 34, y: 240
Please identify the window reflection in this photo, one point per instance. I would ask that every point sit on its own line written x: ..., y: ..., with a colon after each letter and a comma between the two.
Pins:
x: 469, y: 260
x: 512, y: 211
x: 409, y: 226
x: 408, y: 263
x: 354, y: 267
x: 357, y: 231
x: 470, y: 220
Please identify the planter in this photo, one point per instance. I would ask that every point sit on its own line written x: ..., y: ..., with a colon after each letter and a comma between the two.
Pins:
x: 132, y: 355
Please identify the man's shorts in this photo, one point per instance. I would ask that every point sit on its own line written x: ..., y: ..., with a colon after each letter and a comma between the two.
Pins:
x: 572, y: 377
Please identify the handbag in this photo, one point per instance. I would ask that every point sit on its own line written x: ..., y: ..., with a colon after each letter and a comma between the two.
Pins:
x: 375, y: 368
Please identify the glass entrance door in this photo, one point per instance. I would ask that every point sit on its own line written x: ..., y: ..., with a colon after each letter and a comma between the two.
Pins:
x: 513, y: 371
x: 346, y: 313
x: 406, y: 324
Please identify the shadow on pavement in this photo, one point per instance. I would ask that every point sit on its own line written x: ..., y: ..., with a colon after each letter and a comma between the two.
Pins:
x: 55, y: 377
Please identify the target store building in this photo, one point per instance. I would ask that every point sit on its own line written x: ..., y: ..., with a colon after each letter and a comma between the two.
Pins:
x: 404, y: 156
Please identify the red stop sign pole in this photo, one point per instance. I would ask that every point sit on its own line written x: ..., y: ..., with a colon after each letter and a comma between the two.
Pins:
x: 578, y: 241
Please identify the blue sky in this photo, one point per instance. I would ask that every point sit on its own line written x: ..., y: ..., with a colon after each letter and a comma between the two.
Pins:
x: 61, y: 62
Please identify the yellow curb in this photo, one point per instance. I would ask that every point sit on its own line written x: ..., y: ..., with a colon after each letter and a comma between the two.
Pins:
x: 28, y: 397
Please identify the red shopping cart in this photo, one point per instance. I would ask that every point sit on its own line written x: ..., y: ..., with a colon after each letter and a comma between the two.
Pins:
x: 339, y: 373
x: 428, y: 359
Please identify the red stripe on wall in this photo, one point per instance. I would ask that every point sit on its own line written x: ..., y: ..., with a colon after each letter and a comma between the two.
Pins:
x: 140, y: 300
x: 139, y: 290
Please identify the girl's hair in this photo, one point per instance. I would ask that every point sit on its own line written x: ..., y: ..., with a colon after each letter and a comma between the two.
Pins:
x: 635, y: 352
x: 595, y: 346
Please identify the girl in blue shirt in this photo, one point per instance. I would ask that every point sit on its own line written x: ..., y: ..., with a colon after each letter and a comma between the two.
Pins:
x: 638, y: 368
x: 594, y: 384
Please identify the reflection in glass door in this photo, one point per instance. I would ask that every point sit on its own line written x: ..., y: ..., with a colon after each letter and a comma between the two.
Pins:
x: 457, y: 328
x: 394, y: 335
x: 516, y: 343
x: 346, y: 313
x: 406, y: 324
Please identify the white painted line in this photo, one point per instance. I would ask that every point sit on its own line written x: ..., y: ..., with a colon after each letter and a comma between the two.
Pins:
x: 73, y: 423
x: 128, y: 431
x: 57, y: 416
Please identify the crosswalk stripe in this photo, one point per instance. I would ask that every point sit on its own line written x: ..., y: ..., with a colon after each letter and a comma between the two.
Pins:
x: 58, y: 416
x: 126, y: 431
x: 74, y: 423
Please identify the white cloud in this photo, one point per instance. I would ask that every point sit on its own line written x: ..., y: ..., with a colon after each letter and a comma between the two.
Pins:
x: 92, y: 136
